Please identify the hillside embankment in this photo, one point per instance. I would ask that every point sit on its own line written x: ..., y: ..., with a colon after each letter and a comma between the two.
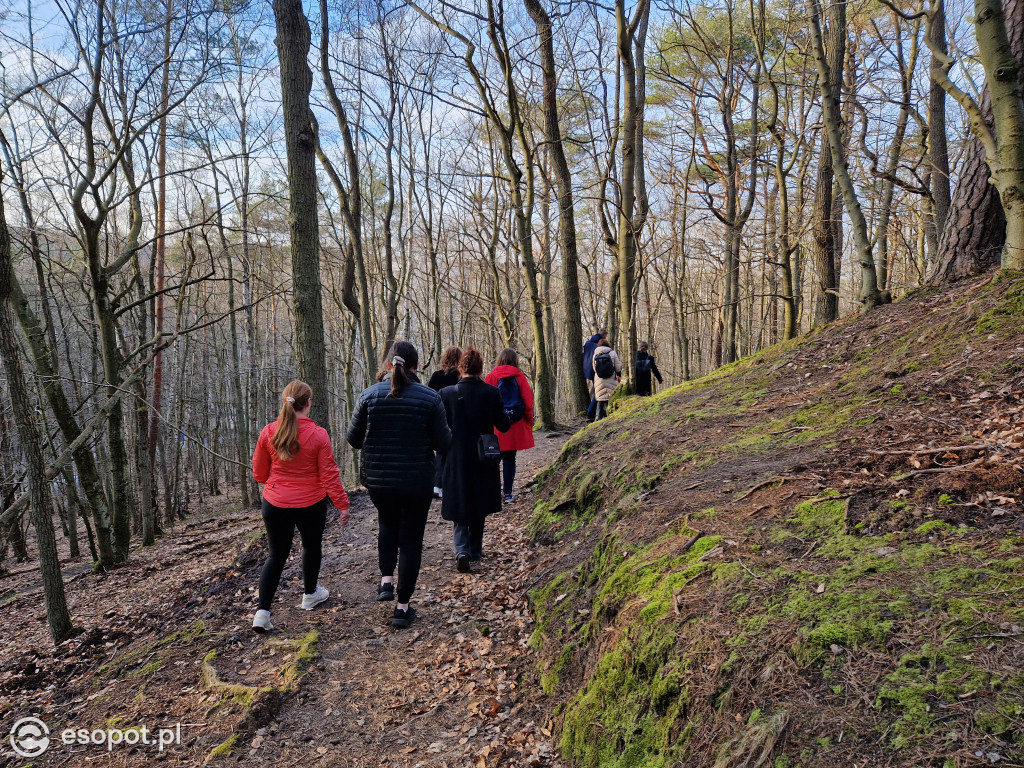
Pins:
x: 812, y: 557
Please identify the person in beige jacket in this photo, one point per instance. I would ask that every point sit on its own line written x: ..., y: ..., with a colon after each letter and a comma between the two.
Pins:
x: 607, y: 370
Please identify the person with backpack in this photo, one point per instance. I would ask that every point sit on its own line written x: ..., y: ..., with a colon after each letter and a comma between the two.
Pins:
x: 470, y: 476
x: 295, y: 464
x: 398, y: 424
x: 588, y: 367
x: 645, y: 368
x: 445, y: 376
x: 518, y: 399
x: 607, y: 368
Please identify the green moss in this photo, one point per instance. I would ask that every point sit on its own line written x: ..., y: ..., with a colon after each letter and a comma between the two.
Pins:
x: 933, y: 526
x: 821, y: 517
x: 226, y: 749
x: 306, y: 652
x: 626, y: 715
x: 121, y: 664
x: 946, y: 500
x: 1005, y: 317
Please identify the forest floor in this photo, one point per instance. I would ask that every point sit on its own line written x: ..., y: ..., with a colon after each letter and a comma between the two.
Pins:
x: 167, y: 640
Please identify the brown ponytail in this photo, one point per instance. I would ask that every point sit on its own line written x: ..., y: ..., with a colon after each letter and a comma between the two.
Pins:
x: 403, y: 359
x: 286, y: 439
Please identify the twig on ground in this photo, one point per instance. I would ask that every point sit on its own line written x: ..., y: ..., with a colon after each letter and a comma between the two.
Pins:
x: 777, y: 479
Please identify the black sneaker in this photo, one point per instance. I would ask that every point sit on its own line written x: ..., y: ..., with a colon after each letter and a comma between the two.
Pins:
x: 462, y: 563
x: 403, y: 619
x: 385, y: 592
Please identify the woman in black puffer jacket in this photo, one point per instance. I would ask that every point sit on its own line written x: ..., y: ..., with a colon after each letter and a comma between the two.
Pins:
x: 398, y: 424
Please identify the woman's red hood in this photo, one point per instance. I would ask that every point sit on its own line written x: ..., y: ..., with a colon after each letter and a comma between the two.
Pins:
x: 504, y: 371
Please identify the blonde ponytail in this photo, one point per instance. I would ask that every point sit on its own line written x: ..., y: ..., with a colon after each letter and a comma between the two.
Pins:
x: 285, y: 441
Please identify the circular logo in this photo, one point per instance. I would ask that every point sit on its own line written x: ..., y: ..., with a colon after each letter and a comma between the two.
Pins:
x: 30, y: 737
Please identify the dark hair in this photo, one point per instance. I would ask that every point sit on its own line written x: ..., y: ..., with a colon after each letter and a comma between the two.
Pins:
x: 644, y: 346
x: 603, y: 333
x: 408, y: 360
x: 450, y: 359
x: 508, y: 356
x: 285, y: 441
x: 472, y: 363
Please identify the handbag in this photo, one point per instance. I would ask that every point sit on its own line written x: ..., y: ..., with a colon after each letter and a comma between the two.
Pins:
x: 487, y: 449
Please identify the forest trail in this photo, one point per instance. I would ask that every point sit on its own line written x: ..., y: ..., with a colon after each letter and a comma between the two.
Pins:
x: 446, y: 692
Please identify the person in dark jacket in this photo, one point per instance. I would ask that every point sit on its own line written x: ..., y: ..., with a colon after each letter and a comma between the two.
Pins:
x: 645, y: 368
x: 446, y: 376
x: 399, y: 424
x: 588, y: 367
x: 472, y: 488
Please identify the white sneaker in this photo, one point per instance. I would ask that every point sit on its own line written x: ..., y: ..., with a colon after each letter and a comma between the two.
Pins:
x: 437, y: 492
x: 309, y: 602
x: 261, y: 622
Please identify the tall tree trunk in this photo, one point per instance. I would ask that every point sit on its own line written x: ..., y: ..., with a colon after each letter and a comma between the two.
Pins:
x: 573, y: 330
x: 938, y: 149
x: 869, y: 294
x: 32, y: 444
x: 629, y: 36
x: 293, y: 39
x: 826, y: 210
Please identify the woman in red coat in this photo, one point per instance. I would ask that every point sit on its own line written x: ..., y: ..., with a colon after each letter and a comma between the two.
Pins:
x: 518, y: 398
x: 295, y: 464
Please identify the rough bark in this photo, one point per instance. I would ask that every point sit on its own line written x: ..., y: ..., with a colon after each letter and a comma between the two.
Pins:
x: 824, y: 248
x: 32, y: 444
x: 293, y: 41
x: 975, y: 230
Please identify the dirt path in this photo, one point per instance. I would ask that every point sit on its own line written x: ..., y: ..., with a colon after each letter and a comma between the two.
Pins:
x: 447, y: 691
x: 457, y: 689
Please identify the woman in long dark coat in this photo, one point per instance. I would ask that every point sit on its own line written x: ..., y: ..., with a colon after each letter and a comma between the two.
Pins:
x: 472, y: 489
x: 446, y: 376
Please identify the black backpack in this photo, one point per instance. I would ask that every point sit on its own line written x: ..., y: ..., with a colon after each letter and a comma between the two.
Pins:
x: 603, y: 365
x: 512, y: 398
x: 643, y: 364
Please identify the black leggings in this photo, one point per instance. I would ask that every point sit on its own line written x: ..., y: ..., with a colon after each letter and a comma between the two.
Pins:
x: 508, y: 471
x: 401, y: 520
x: 281, y: 523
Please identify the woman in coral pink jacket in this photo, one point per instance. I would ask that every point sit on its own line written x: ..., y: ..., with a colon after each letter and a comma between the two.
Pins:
x: 295, y: 463
x: 518, y: 398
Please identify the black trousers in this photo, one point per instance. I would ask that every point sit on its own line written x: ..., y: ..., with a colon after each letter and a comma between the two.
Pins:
x: 508, y: 471
x: 401, y: 520
x: 281, y: 523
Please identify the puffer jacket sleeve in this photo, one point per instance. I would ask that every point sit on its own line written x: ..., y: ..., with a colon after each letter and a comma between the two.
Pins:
x: 440, y: 432
x: 357, y: 426
x: 617, y: 361
x: 261, y: 458
x: 330, y: 477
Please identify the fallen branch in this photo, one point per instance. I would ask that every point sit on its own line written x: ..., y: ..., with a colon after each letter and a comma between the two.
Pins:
x: 917, y: 472
x: 948, y: 449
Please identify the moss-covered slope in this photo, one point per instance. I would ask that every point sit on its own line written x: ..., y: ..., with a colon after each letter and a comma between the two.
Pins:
x: 811, y: 557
